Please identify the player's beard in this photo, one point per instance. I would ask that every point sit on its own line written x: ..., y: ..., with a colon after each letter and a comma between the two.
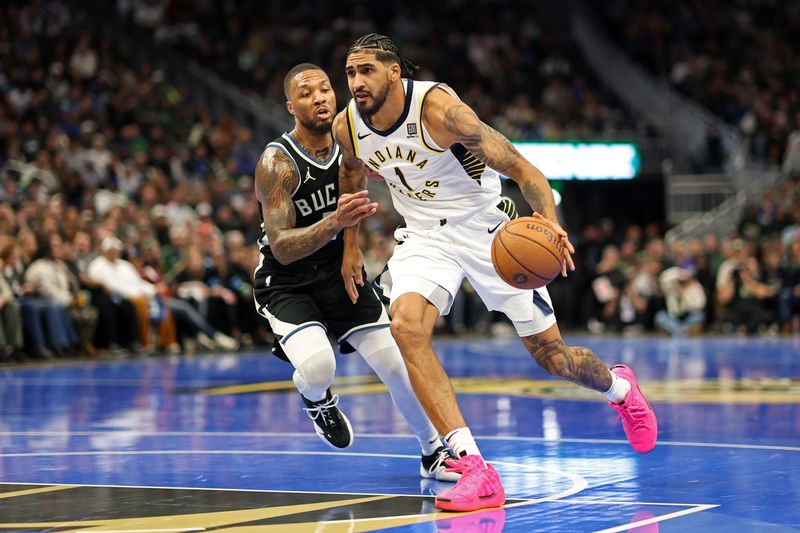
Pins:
x: 315, y: 125
x: 377, y: 102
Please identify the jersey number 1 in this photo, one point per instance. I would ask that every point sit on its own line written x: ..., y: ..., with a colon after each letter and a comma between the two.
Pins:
x: 402, y: 178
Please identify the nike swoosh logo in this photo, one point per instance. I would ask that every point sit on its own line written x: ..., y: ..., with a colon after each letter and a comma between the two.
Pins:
x: 494, y: 228
x: 363, y: 136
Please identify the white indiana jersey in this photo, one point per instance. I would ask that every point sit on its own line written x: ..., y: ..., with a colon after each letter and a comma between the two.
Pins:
x: 428, y: 183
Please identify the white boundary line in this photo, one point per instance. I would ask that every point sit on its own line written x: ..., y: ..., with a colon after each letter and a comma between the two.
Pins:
x: 656, y: 519
x: 578, y: 482
x: 387, y: 436
x: 103, y: 486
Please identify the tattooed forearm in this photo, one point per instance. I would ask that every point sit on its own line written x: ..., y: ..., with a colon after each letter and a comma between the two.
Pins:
x: 536, y: 199
x: 572, y: 363
x: 485, y: 143
x: 498, y: 153
x: 299, y: 243
x: 275, y: 182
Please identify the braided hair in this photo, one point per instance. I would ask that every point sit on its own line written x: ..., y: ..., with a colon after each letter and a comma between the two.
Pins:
x: 385, y: 50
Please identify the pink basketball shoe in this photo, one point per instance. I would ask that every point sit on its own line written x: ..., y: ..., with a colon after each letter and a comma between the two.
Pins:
x: 478, y: 488
x: 638, y: 418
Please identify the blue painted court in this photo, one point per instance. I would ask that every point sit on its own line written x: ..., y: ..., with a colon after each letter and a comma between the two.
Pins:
x: 219, y: 442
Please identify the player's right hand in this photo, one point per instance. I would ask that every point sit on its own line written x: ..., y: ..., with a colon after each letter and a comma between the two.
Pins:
x: 352, y: 208
x: 567, y: 264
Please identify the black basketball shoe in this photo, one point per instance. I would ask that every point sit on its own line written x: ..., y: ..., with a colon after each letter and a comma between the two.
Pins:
x: 329, y: 422
x: 432, y: 466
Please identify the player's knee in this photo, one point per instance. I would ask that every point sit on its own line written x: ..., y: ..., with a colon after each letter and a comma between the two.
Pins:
x: 388, y: 363
x: 316, y: 373
x: 408, y: 331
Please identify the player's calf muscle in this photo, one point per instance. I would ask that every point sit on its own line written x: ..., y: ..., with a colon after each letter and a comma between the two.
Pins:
x: 573, y: 363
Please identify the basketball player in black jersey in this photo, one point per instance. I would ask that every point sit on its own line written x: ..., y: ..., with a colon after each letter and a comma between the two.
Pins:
x: 298, y: 284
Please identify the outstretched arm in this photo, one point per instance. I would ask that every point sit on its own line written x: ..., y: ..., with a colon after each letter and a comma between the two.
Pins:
x: 276, y: 180
x: 450, y: 121
x: 351, y: 180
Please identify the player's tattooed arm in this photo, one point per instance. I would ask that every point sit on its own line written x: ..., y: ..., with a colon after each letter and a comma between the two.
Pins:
x: 451, y: 121
x: 276, y: 180
x: 497, y: 152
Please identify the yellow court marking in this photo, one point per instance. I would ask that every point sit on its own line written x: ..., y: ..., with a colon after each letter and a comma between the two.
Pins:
x: 712, y: 391
x: 269, y: 386
x: 38, y: 490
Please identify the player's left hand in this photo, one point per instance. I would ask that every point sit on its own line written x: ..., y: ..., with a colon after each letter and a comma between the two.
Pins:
x: 352, y: 269
x: 566, y: 249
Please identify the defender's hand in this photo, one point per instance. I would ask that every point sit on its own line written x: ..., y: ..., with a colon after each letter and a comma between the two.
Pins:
x: 352, y: 268
x: 566, y: 249
x: 352, y: 208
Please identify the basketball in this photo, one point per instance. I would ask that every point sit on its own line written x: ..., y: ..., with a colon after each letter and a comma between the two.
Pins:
x: 527, y: 253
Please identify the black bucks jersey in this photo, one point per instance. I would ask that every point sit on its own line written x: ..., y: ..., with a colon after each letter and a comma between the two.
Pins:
x: 310, y: 291
x: 314, y: 198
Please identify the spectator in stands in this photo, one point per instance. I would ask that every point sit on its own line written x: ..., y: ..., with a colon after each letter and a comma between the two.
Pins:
x: 227, y: 284
x: 607, y: 288
x: 745, y: 299
x: 57, y: 286
x: 122, y: 281
x: 11, y: 340
x: 39, y: 329
x: 790, y: 292
x: 191, y: 325
x: 190, y: 276
x: 685, y: 301
x: 643, y: 295
x: 377, y: 251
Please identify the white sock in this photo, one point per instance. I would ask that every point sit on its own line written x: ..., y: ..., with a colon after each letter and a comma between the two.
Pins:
x: 462, y: 442
x: 619, y: 389
x: 430, y: 443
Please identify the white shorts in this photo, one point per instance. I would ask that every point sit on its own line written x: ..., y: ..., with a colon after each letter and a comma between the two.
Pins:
x: 432, y: 260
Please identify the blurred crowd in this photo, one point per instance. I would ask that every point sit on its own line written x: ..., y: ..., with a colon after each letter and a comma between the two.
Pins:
x: 634, y: 281
x: 481, y: 49
x: 128, y: 219
x: 740, y: 59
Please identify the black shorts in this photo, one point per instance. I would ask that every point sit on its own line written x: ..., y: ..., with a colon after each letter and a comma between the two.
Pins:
x: 308, y: 296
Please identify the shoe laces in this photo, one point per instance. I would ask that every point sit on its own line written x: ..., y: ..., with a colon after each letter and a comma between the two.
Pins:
x: 473, y: 478
x: 457, y: 465
x: 441, y: 461
x: 324, y: 411
x: 635, y: 413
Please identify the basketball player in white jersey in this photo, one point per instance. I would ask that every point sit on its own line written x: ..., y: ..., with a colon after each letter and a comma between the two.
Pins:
x: 441, y: 164
x: 298, y: 284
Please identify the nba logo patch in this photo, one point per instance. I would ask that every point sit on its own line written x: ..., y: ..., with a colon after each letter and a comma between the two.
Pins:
x: 268, y: 281
x: 411, y: 128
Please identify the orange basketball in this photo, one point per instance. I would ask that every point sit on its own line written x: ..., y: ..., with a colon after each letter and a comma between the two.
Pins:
x: 527, y: 253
